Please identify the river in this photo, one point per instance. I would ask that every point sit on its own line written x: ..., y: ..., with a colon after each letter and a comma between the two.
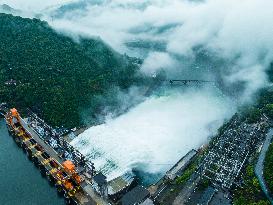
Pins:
x: 21, y: 182
x: 260, y: 165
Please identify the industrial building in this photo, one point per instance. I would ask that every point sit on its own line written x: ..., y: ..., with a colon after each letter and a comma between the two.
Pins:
x: 136, y: 196
x: 66, y: 168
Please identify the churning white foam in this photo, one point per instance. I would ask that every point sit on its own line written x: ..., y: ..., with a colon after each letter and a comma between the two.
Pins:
x: 156, y: 133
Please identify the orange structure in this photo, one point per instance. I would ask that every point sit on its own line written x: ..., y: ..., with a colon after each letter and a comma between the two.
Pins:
x: 69, y: 167
x: 64, y: 175
x: 13, y: 119
x: 14, y: 112
x: 68, y: 185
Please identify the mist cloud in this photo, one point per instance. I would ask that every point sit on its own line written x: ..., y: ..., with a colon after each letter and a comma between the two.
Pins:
x: 32, y: 5
x: 152, y: 136
x: 238, y: 32
x: 227, y: 40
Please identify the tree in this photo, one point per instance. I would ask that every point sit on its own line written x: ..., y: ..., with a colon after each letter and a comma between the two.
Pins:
x: 53, y: 75
x: 269, y: 110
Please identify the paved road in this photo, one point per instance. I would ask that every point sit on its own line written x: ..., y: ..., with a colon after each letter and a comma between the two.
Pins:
x: 260, y: 165
x: 186, y: 192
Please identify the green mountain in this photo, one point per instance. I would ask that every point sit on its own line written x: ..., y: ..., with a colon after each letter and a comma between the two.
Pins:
x: 55, y: 76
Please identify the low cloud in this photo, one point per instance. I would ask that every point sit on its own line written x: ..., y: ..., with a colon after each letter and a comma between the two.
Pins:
x: 228, y: 41
x: 238, y: 33
x: 158, y: 60
x: 34, y: 6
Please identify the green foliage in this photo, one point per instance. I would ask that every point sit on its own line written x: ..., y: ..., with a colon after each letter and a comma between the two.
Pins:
x: 53, y: 75
x: 262, y: 202
x: 268, y: 109
x: 268, y: 168
x: 243, y: 201
x: 255, y: 183
x: 205, y: 183
x: 252, y: 114
x: 265, y: 99
x: 186, y: 174
x: 250, y: 192
x: 250, y: 171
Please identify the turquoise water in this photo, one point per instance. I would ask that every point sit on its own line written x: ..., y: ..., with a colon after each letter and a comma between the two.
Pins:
x: 20, y: 181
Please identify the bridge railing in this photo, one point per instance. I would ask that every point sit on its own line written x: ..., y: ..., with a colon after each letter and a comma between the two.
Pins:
x: 187, y: 81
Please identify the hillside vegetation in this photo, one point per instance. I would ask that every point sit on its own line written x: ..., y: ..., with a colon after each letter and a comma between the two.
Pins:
x: 55, y: 76
x: 268, y: 167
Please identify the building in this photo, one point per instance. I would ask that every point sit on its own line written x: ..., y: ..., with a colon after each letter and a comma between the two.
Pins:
x: 121, y: 185
x: 179, y: 167
x: 136, y: 196
x: 100, y: 185
x: 207, y: 196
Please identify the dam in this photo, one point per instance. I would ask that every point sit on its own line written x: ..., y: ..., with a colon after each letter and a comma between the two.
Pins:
x: 151, y: 137
x: 108, y: 163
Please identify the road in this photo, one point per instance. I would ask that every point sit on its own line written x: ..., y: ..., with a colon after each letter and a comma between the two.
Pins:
x: 260, y: 165
x: 186, y: 192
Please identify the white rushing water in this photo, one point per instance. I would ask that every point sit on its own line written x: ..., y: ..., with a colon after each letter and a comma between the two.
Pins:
x: 154, y: 135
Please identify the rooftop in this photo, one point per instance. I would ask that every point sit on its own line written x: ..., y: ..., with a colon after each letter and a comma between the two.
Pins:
x: 100, y: 179
x: 207, y: 196
x: 135, y: 196
x: 120, y: 183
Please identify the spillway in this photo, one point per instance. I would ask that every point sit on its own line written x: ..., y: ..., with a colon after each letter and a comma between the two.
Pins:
x: 151, y: 137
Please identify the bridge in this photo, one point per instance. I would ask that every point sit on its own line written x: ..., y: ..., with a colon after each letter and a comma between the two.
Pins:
x: 188, y: 81
x: 158, y: 82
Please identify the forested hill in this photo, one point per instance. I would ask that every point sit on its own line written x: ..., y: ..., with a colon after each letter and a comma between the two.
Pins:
x: 53, y: 75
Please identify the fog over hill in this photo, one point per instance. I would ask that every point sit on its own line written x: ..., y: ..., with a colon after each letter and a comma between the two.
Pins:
x: 172, y: 32
x: 228, y: 41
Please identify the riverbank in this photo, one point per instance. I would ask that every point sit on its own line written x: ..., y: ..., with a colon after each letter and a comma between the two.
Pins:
x: 260, y: 165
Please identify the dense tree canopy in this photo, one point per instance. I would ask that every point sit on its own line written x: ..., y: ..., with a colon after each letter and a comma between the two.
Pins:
x: 54, y: 75
x: 268, y: 167
x: 250, y: 193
